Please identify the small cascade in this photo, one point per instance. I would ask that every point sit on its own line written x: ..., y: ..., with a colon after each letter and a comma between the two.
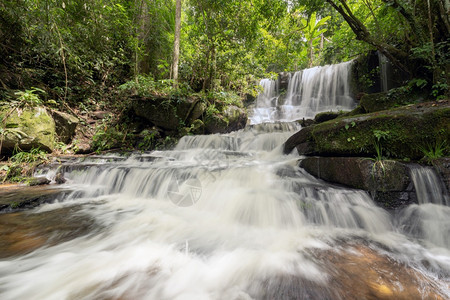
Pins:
x: 309, y: 92
x: 266, y: 102
x: 428, y: 185
x: 269, y: 96
x: 385, y: 71
x: 430, y: 219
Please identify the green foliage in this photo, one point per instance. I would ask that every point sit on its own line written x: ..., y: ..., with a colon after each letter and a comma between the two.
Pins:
x: 149, y: 140
x: 29, y: 97
x: 146, y: 86
x: 380, y: 136
x: 106, y: 138
x: 434, y: 150
x: 224, y: 99
x: 34, y: 155
x: 17, y: 169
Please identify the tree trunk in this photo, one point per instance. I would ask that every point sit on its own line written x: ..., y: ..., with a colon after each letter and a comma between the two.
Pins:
x: 362, y: 33
x: 176, y: 43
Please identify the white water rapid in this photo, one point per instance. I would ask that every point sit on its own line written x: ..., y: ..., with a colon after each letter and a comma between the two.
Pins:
x: 309, y: 92
x: 219, y: 217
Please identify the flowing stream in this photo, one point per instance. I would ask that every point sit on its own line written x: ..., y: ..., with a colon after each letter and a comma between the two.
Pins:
x: 219, y: 217
x: 224, y: 216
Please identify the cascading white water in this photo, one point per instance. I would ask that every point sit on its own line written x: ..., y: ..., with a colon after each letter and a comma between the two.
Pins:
x: 309, y: 92
x: 266, y: 102
x: 429, y: 188
x: 219, y: 217
x: 385, y: 71
x: 430, y: 219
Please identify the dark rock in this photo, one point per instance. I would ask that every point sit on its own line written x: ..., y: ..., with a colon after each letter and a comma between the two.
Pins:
x: 326, y: 116
x: 360, y: 173
x: 83, y: 148
x: 100, y: 114
x: 59, y: 178
x: 33, y: 181
x: 306, y: 122
x: 387, y: 100
x: 301, y: 139
x: 249, y: 99
x: 65, y: 125
x: 358, y: 110
x: 168, y: 113
x: 388, y: 182
x: 197, y: 110
x: 394, y: 200
x: 22, y: 197
x: 442, y: 165
x: 231, y: 118
x: 283, y: 79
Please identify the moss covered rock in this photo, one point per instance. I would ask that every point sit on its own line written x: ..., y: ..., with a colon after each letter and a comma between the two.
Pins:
x: 391, y: 99
x: 65, y: 125
x: 27, y: 128
x: 230, y: 118
x: 398, y: 133
x: 169, y: 114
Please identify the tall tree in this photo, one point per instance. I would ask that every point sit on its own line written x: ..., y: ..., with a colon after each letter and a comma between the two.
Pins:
x: 176, y: 43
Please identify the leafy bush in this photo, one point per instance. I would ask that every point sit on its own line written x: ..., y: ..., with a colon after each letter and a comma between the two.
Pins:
x: 33, y: 155
x: 434, y: 150
x: 147, y: 86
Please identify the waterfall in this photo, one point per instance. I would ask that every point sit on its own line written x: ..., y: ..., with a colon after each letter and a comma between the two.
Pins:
x: 385, y: 71
x: 428, y: 185
x: 430, y: 219
x: 266, y: 102
x: 309, y: 92
x: 269, y: 96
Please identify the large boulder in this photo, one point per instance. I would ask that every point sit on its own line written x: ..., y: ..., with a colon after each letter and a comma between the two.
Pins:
x: 302, y: 140
x: 169, y: 114
x: 387, y: 100
x: 27, y: 128
x: 65, y: 125
x: 231, y: 118
x: 388, y: 181
x: 359, y: 173
x: 399, y: 133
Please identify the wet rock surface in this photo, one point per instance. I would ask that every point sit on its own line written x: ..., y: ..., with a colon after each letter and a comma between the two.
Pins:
x: 23, y: 232
x: 388, y: 181
x: 19, y: 197
x: 360, y: 272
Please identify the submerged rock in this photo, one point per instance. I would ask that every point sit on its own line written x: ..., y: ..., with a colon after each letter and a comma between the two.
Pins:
x: 27, y: 128
x: 21, y: 197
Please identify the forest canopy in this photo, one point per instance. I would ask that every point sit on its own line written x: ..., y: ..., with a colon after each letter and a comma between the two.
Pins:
x: 78, y: 50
